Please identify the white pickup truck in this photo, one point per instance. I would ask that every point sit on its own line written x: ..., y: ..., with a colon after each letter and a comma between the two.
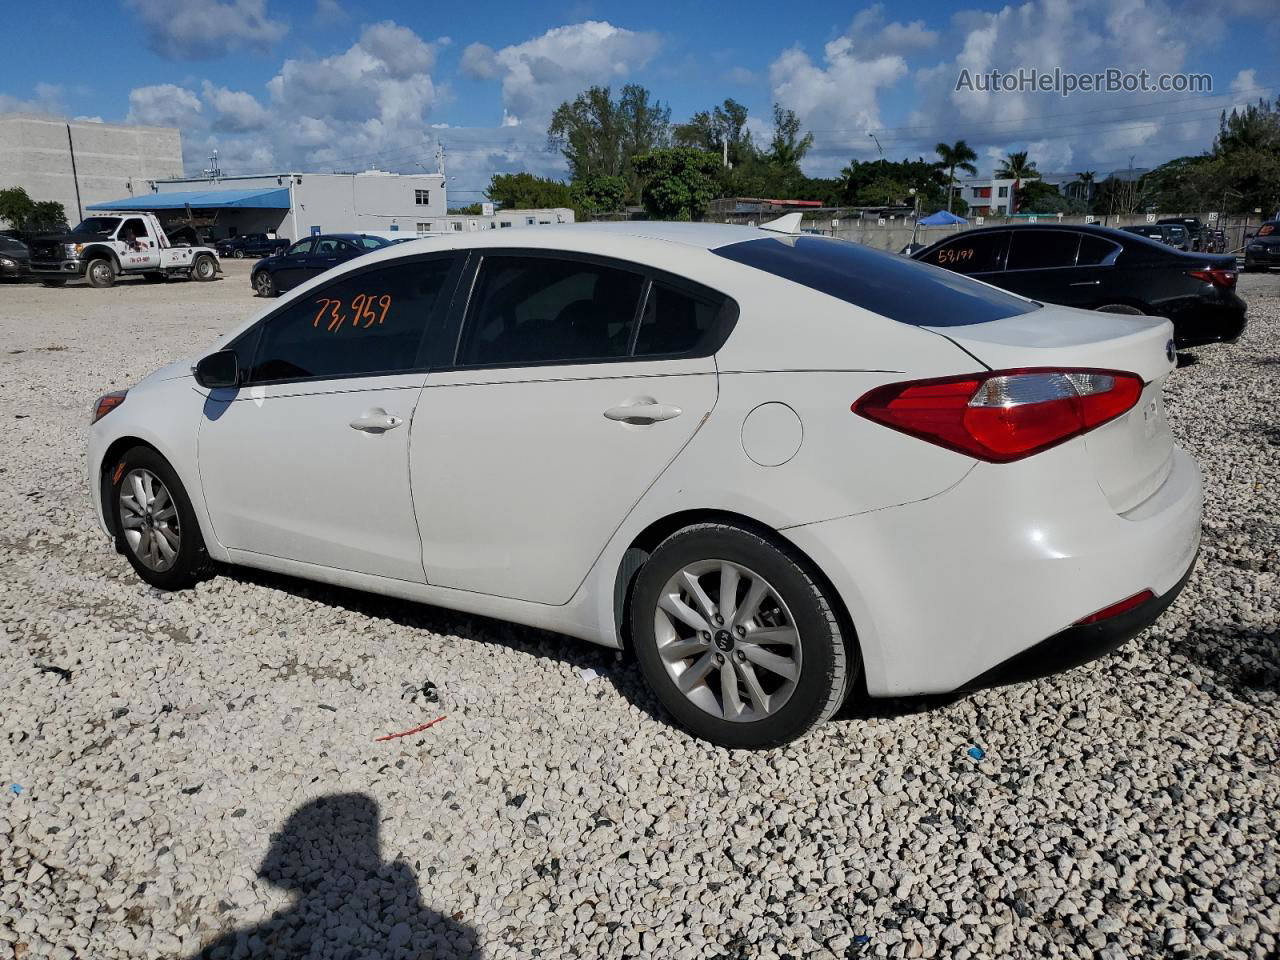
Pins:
x: 104, y: 247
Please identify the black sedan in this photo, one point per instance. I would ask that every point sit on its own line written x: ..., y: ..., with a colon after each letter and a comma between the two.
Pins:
x: 308, y: 258
x: 1097, y: 268
x: 250, y: 245
x: 15, y: 259
x: 1263, y: 249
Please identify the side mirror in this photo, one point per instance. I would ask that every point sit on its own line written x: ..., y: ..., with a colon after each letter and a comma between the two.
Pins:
x: 221, y: 369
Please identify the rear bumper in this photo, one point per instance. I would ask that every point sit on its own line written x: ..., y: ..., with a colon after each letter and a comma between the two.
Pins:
x: 947, y: 592
x: 1077, y: 645
x: 1221, y: 322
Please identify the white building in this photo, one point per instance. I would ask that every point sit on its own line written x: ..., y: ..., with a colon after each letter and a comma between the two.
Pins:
x: 294, y: 205
x: 78, y: 163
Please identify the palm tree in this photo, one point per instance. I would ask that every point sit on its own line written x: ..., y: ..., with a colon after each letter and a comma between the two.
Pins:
x: 1017, y: 167
x: 956, y: 156
x: 1085, y: 178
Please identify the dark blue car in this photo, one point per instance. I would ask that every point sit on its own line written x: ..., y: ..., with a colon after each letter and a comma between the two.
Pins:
x: 308, y: 258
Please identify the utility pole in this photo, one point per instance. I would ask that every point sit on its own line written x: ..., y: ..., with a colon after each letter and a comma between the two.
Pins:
x: 75, y: 178
x: 877, y: 140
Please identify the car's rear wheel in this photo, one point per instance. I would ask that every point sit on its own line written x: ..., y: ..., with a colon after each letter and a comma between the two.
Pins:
x: 738, y: 639
x: 100, y: 272
x: 238, y: 254
x: 264, y: 284
x: 204, y: 268
x: 1119, y: 308
x: 155, y: 525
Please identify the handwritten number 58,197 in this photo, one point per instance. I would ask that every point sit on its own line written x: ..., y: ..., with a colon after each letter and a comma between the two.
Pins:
x: 366, y: 310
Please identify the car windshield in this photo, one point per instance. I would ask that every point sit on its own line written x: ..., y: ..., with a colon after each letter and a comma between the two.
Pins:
x: 903, y: 290
x: 102, y: 225
x: 8, y: 244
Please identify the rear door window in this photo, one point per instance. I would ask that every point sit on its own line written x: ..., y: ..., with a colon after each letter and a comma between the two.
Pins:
x: 1042, y: 249
x: 971, y: 253
x: 680, y: 321
x: 527, y: 310
x: 883, y: 283
x: 367, y: 323
x: 1095, y: 251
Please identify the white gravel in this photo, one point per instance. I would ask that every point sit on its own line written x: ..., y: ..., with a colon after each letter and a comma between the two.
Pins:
x: 206, y: 766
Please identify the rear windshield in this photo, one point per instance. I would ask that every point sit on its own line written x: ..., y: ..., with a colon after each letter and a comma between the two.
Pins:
x: 892, y: 286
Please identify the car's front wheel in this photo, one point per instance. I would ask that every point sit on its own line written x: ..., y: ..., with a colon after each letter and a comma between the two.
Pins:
x: 238, y: 254
x: 155, y: 525
x: 264, y: 285
x: 100, y: 272
x: 204, y: 268
x: 738, y: 639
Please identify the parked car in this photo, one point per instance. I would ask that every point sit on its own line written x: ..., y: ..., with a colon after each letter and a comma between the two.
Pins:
x: 15, y: 259
x: 780, y: 468
x: 1193, y: 225
x: 308, y: 258
x: 1171, y: 234
x: 1262, y: 252
x: 1098, y: 268
x: 251, y: 245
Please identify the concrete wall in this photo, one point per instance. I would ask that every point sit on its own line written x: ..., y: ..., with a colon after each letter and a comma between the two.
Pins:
x: 111, y: 161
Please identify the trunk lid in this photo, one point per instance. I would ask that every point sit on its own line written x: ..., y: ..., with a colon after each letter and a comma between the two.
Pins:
x: 1132, y: 455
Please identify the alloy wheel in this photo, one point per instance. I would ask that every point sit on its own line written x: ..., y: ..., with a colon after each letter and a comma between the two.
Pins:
x: 150, y: 520
x: 727, y: 640
x: 101, y: 272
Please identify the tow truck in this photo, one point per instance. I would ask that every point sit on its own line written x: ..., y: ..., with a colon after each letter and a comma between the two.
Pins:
x: 102, y: 248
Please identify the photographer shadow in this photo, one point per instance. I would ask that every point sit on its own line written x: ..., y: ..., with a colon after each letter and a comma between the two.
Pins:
x: 347, y: 901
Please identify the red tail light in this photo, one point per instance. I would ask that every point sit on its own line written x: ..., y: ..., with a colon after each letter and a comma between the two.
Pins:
x: 1124, y: 606
x: 1004, y: 415
x: 1223, y: 277
x: 106, y: 403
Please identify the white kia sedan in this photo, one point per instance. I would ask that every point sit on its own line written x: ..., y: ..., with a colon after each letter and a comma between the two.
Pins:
x: 782, y: 469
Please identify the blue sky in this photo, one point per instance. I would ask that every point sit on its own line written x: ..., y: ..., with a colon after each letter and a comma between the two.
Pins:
x: 341, y: 84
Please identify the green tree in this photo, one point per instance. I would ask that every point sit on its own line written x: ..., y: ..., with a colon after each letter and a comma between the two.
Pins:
x: 1017, y: 167
x: 679, y: 182
x: 524, y: 190
x: 16, y: 207
x: 599, y: 135
x: 598, y: 194
x: 787, y: 148
x: 926, y: 178
x: 470, y: 210
x: 956, y: 156
x: 48, y: 215
x: 711, y: 130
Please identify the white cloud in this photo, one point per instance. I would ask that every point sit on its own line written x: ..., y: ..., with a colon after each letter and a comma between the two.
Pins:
x: 1099, y: 130
x: 869, y: 35
x: 1246, y: 81
x: 184, y: 30
x: 741, y: 76
x: 541, y: 73
x: 329, y: 12
x: 237, y: 111
x: 48, y: 99
x: 164, y: 105
x: 838, y: 100
x: 94, y: 119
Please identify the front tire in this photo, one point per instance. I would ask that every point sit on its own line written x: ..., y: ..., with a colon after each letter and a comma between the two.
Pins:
x: 238, y: 254
x: 204, y: 268
x: 264, y: 285
x: 737, y: 638
x: 156, y: 528
x: 100, y: 273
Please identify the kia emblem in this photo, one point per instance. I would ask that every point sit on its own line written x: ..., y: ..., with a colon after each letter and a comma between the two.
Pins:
x: 1171, y: 352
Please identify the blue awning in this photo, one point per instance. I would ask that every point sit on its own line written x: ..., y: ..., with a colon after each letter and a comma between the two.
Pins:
x: 272, y: 198
x: 940, y: 219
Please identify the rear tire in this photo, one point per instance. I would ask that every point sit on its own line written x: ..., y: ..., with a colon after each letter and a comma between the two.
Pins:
x: 776, y: 663
x: 264, y: 285
x: 156, y: 528
x: 204, y: 268
x: 100, y: 273
x: 1120, y: 308
x: 238, y: 254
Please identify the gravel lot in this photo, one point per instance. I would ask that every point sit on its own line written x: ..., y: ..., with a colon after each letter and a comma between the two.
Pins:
x: 184, y: 769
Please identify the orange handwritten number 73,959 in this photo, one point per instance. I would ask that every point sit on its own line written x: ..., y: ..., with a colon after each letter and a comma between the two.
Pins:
x: 366, y: 310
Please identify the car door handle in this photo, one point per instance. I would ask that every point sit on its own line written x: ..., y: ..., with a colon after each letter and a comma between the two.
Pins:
x: 376, y: 421
x: 645, y: 412
x: 1086, y: 283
